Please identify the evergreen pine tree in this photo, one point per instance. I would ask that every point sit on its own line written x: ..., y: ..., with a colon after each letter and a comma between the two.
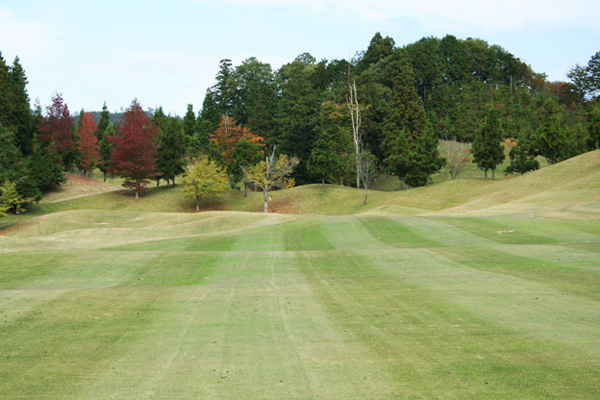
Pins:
x: 6, y: 95
x: 410, y: 149
x: 323, y: 161
x: 426, y: 159
x: 551, y: 140
x: 103, y: 122
x: 171, y: 149
x: 487, y: 148
x: 105, y: 148
x: 299, y: 106
x: 207, y: 122
x: 189, y: 122
x: 9, y: 155
x: 21, y: 114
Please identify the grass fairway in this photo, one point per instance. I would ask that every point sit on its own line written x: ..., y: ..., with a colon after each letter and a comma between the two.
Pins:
x: 400, y: 301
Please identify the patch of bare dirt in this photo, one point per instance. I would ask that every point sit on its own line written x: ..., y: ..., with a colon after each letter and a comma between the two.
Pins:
x: 17, y: 227
x: 82, y: 180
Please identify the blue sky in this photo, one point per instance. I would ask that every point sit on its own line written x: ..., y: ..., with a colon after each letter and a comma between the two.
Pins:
x: 167, y: 53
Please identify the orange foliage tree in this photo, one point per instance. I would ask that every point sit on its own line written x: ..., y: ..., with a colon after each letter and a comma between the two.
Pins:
x: 223, y: 143
x: 228, y: 134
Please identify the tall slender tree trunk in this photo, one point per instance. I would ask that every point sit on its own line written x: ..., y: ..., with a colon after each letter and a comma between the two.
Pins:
x: 137, y: 194
x: 245, y: 189
x: 493, y: 175
x: 366, y: 194
x: 322, y: 184
x: 197, y: 203
x: 266, y: 192
x: 485, y: 171
x: 353, y: 106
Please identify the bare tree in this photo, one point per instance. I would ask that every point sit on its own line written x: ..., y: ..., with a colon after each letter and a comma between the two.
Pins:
x: 353, y: 106
x: 368, y: 171
x: 458, y: 157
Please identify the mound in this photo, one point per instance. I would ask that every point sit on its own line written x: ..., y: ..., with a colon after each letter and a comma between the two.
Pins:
x: 570, y: 189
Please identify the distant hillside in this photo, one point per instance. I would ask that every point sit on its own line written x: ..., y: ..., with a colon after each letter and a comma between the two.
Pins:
x: 115, y: 117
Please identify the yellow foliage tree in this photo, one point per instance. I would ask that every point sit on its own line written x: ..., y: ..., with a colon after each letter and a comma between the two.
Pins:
x: 204, y: 177
x: 272, y: 174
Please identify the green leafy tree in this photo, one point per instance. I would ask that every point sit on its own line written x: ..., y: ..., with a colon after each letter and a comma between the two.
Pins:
x: 398, y: 161
x: 550, y: 139
x: 206, y: 123
x: 20, y: 118
x: 224, y: 89
x: 521, y: 160
x: 425, y: 60
x: 9, y: 155
x: 6, y: 94
x: 409, y: 147
x: 44, y: 171
x: 189, y: 123
x: 586, y: 79
x: 454, y: 59
x: 323, y: 161
x: 3, y: 209
x: 487, y: 148
x: 105, y: 148
x: 171, y: 150
x: 255, y: 95
x: 204, y: 178
x: 334, y: 120
x: 379, y: 49
x: 594, y: 125
x: 273, y: 173
x: 299, y: 106
x: 425, y: 160
x: 245, y: 154
x: 103, y: 123
x: 10, y: 198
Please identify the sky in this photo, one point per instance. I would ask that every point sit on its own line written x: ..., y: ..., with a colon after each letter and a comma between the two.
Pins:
x: 167, y: 53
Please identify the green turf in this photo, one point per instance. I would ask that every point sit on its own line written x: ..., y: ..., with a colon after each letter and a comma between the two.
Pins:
x: 103, y: 297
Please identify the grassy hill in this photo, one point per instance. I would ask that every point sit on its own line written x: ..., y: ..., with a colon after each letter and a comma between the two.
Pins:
x: 468, y: 289
x: 569, y: 189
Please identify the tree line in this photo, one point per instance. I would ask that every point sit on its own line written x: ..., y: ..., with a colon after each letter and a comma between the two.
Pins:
x: 382, y: 111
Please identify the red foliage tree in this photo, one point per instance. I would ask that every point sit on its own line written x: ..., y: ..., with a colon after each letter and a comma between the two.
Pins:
x: 57, y: 126
x: 134, y: 149
x: 87, y: 143
x: 228, y: 134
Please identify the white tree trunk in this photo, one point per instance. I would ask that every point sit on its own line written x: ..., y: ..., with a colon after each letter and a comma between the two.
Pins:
x: 353, y: 106
x: 266, y: 192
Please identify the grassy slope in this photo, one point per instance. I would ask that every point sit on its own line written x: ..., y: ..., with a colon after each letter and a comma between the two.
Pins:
x: 105, y: 297
x: 569, y: 189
